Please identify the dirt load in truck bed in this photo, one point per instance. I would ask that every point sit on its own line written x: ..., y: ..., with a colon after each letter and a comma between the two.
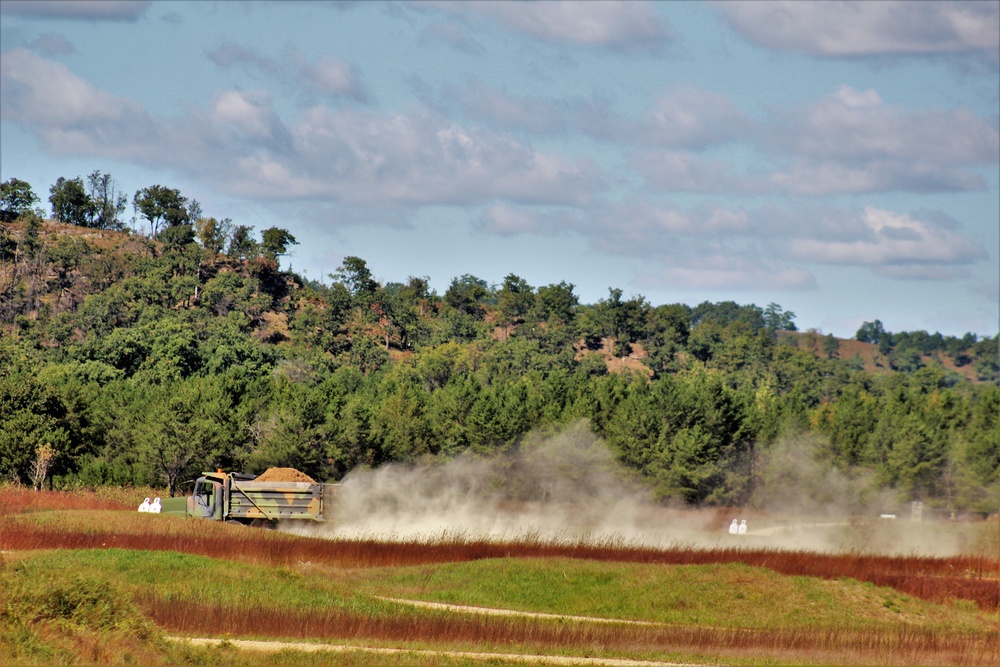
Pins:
x: 283, y: 475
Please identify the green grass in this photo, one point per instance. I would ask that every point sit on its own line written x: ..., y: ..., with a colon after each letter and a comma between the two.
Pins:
x: 96, y: 591
x: 716, y: 595
x: 80, y: 606
x: 732, y: 595
x: 179, y: 576
x: 90, y: 605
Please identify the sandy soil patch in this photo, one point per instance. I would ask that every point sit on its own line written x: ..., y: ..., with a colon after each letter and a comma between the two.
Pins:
x: 490, y: 611
x: 274, y: 647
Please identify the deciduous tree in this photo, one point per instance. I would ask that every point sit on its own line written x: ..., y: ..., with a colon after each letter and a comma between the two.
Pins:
x: 514, y: 300
x: 70, y: 202
x: 555, y: 302
x: 871, y: 332
x: 16, y: 198
x: 468, y: 294
x: 161, y: 205
x: 776, y: 318
x: 108, y: 202
x: 213, y: 233
x: 275, y: 242
x: 241, y: 244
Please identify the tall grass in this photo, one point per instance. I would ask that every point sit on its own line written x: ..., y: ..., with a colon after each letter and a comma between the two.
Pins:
x: 17, y: 499
x: 930, y: 578
x: 937, y: 579
x: 902, y: 646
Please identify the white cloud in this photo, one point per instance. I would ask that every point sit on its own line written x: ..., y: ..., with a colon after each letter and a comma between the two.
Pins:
x: 646, y: 222
x: 706, y: 248
x: 508, y: 220
x: 862, y: 28
x: 728, y: 272
x: 485, y: 103
x: 382, y: 160
x: 990, y: 291
x: 327, y: 76
x: 85, y: 10
x: 688, y: 116
x: 683, y: 116
x: 331, y: 76
x: 51, y: 44
x: 647, y: 231
x: 847, y: 142
x: 423, y: 159
x: 454, y: 35
x: 886, y: 238
x: 229, y: 54
x: 592, y: 117
x: 921, y: 272
x: 84, y: 119
x: 856, y: 99
x: 725, y: 248
x: 856, y: 125
x: 248, y: 114
x: 830, y: 178
x: 513, y: 220
x: 623, y: 26
x: 682, y: 171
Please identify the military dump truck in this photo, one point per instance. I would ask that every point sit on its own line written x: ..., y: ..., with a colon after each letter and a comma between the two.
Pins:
x: 259, y: 501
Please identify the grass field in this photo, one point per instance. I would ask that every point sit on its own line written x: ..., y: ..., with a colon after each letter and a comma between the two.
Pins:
x: 86, y: 579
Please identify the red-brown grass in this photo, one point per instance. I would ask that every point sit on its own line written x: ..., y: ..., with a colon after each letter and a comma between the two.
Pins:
x: 17, y: 500
x: 903, y: 646
x: 936, y: 579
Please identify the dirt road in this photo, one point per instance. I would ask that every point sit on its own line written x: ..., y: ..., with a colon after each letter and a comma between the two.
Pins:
x: 489, y: 611
x: 274, y: 647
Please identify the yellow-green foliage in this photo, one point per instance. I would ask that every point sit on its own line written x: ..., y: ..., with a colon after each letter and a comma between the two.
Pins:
x: 74, y: 607
x: 66, y: 617
x: 732, y: 595
x: 172, y: 575
x: 86, y: 606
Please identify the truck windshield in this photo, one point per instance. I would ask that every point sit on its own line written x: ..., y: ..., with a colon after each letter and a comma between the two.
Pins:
x: 203, y: 496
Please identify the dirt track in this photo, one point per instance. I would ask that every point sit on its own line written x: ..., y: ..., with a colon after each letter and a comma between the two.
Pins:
x: 274, y: 647
x: 488, y: 611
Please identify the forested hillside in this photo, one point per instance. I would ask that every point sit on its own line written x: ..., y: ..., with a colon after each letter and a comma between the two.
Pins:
x: 135, y: 357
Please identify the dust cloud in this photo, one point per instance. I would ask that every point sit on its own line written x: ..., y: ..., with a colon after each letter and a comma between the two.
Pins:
x: 811, y: 504
x: 568, y: 486
x: 563, y: 486
x: 796, y: 479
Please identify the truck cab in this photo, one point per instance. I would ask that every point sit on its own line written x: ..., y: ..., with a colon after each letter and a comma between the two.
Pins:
x: 206, y: 501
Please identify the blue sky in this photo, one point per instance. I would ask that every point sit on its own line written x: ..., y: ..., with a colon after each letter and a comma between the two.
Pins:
x: 841, y: 159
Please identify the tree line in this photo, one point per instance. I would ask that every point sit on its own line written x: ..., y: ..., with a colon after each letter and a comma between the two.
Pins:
x: 143, y: 359
x: 97, y: 203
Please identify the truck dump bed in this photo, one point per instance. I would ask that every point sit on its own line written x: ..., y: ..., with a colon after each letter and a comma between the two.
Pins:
x: 276, y: 500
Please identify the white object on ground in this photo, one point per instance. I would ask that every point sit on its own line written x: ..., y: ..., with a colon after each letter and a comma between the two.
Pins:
x: 733, y: 528
x: 743, y: 527
x: 144, y: 506
x: 155, y: 507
